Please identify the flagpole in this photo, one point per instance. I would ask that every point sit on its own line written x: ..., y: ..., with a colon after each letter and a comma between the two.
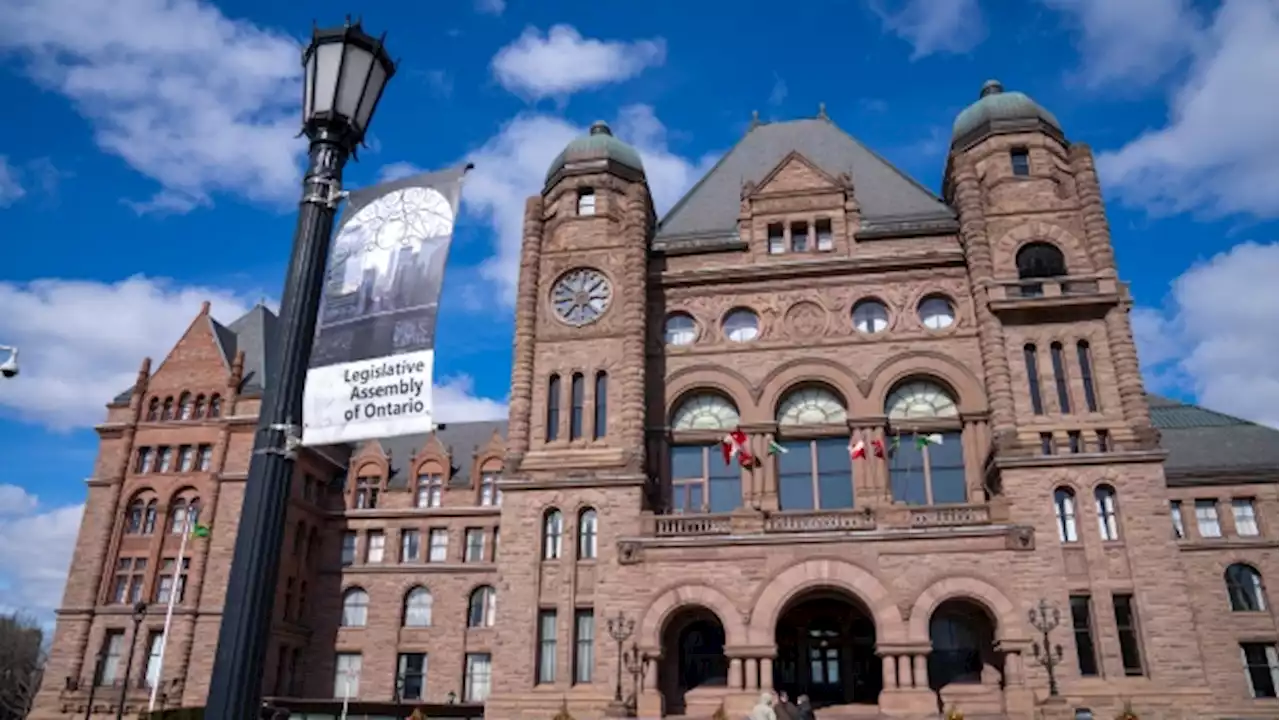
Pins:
x: 168, y: 613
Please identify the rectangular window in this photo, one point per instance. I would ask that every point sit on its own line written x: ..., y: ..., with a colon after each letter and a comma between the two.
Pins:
x: 1084, y: 358
x: 112, y: 652
x: 777, y: 239
x: 928, y: 469
x: 375, y: 546
x: 546, y: 647
x: 439, y: 550
x: 411, y: 676
x: 410, y: 545
x: 1082, y: 626
x: 1046, y: 443
x: 367, y: 493
x: 1060, y: 378
x: 1021, y: 162
x: 584, y: 646
x: 553, y: 408
x: 1246, y: 518
x: 577, y: 391
x: 130, y: 573
x: 287, y: 610
x: 490, y: 493
x: 1073, y: 441
x: 145, y: 458
x: 166, y: 459
x: 430, y: 491
x: 815, y: 474
x: 1033, y: 378
x: 826, y: 241
x: 586, y: 202
x: 295, y: 677
x: 346, y: 675
x: 167, y: 582
x: 1260, y: 668
x: 186, y: 458
x: 1175, y: 515
x: 151, y: 674
x: 206, y: 458
x: 1127, y: 632
x: 702, y: 482
x: 799, y: 237
x: 601, y: 426
x: 475, y: 545
x: 476, y: 679
x: 1104, y: 441
x: 348, y: 548
x: 1207, y: 519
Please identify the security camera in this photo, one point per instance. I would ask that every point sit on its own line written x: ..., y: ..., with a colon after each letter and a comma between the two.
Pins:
x: 9, y: 368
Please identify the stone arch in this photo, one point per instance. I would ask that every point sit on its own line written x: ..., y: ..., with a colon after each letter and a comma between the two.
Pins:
x: 992, y: 599
x: 682, y: 596
x: 1007, y: 247
x: 695, y: 378
x: 967, y: 390
x: 774, y: 596
x: 818, y: 371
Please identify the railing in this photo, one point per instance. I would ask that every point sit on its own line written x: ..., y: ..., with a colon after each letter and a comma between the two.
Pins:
x: 950, y: 516
x: 820, y: 521
x: 683, y: 525
x: 1054, y: 287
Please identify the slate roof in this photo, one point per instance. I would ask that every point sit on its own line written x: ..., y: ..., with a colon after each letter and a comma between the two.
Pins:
x: 462, y: 440
x: 1205, y: 442
x: 886, y: 195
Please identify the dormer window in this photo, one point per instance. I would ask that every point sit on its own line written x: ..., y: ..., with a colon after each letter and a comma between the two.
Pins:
x: 367, y: 492
x: 1021, y: 162
x: 777, y: 239
x: 799, y: 237
x: 822, y: 228
x: 586, y: 202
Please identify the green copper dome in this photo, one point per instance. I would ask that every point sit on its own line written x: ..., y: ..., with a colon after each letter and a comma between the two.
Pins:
x: 598, y: 144
x: 995, y: 106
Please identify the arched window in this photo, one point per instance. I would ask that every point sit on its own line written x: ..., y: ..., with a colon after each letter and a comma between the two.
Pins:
x: 178, y: 516
x: 198, y: 410
x: 1040, y: 260
x: 705, y: 411
x: 149, y: 518
x: 355, y: 607
x: 1104, y: 496
x: 1084, y: 358
x: 133, y: 517
x: 814, y: 473
x: 185, y: 408
x: 153, y: 410
x: 166, y: 412
x: 1064, y: 508
x: 215, y: 406
x: 1244, y: 588
x: 482, y: 607
x: 601, y: 426
x: 587, y: 528
x: 417, y: 607
x: 552, y: 534
x: 1033, y: 378
x: 553, y: 408
x: 962, y: 636
x: 925, y: 453
x: 577, y: 393
x: 1060, y: 377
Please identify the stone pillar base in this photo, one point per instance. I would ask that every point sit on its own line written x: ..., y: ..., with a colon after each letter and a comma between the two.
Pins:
x: 907, y: 703
x: 617, y: 709
x: 650, y: 704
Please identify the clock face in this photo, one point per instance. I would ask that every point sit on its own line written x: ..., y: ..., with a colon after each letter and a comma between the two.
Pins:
x: 581, y: 296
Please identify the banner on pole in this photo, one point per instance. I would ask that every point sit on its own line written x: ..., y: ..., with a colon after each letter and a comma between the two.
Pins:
x: 374, y: 352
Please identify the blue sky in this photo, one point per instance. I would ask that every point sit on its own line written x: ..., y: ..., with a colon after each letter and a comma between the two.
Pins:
x: 151, y: 164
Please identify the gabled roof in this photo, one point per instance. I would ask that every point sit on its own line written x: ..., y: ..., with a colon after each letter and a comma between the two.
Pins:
x: 885, y: 194
x: 462, y: 440
x: 1202, y: 441
x: 255, y: 333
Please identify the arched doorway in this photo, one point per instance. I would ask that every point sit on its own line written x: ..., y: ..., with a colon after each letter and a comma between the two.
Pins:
x: 693, y: 644
x: 827, y: 650
x: 962, y: 635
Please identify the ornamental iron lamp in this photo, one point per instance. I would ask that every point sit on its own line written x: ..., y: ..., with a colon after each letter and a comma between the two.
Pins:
x: 139, y: 614
x: 1045, y: 618
x: 620, y: 629
x: 345, y: 72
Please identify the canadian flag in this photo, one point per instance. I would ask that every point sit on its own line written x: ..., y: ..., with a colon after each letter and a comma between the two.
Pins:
x: 857, y: 449
x: 735, y: 445
x: 877, y: 446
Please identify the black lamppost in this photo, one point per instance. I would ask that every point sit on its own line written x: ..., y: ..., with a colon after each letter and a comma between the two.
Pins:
x: 139, y: 614
x: 346, y: 70
x: 1045, y: 618
x: 635, y: 668
x: 620, y: 629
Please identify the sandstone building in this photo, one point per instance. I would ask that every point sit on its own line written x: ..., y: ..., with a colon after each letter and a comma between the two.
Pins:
x: 975, y: 349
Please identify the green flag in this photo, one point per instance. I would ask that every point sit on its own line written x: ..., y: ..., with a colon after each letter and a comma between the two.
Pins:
x: 923, y: 441
x: 200, y: 531
x: 776, y: 449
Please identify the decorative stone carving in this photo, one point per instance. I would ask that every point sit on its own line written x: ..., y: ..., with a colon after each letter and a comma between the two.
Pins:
x: 1021, y: 538
x: 805, y: 319
x: 629, y: 552
x: 905, y: 610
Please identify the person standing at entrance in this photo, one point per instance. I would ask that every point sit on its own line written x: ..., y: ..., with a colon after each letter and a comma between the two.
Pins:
x: 763, y: 709
x: 785, y: 709
x: 804, y: 708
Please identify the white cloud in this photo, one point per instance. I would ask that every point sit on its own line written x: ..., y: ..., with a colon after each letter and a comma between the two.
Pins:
x: 199, y: 102
x: 16, y: 501
x: 512, y: 165
x: 1214, y: 336
x: 563, y: 62
x: 11, y: 189
x: 933, y: 27
x: 455, y: 401
x: 778, y: 94
x: 396, y: 171
x: 491, y: 7
x: 1217, y: 154
x: 36, y: 545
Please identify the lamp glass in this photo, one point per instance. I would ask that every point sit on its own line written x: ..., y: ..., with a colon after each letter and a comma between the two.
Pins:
x: 351, y: 86
x: 373, y: 91
x: 324, y: 65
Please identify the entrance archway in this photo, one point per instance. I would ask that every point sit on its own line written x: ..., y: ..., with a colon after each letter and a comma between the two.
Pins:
x: 962, y: 634
x: 827, y: 650
x: 693, y: 656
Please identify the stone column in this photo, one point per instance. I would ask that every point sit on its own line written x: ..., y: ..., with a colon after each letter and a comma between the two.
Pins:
x: 768, y: 477
x: 905, y: 679
x: 735, y: 673
x: 651, y: 674
x: 890, y: 672
x: 921, y: 672
x: 751, y: 667
x: 630, y: 391
x: 766, y: 673
x: 526, y: 323
x: 1013, y: 669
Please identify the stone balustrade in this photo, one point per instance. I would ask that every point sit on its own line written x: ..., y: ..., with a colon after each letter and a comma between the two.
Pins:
x: 896, y: 516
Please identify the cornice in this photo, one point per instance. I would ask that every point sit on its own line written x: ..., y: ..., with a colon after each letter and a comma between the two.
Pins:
x: 1079, y: 459
x: 826, y: 266
x: 573, y: 483
x: 416, y: 513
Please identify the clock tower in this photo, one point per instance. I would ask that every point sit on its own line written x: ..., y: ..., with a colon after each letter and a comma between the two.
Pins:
x: 575, y: 470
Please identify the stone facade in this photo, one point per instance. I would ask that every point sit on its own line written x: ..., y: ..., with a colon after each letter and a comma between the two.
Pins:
x: 895, y: 580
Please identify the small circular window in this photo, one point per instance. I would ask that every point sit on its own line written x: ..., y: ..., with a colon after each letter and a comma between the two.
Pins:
x: 741, y: 325
x: 870, y: 316
x: 937, y: 312
x: 680, y: 329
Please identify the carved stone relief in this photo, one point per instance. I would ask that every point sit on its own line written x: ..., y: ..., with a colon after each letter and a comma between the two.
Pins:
x: 805, y: 319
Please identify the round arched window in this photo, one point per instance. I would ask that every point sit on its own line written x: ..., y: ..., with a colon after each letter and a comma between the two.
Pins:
x: 870, y: 316
x: 919, y: 399
x: 1040, y: 260
x: 705, y: 411
x: 741, y: 325
x: 811, y: 406
x: 679, y: 329
x: 937, y: 312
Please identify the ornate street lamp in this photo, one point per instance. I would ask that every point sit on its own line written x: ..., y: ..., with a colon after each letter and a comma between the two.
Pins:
x: 346, y: 70
x: 1045, y: 618
x: 620, y: 629
x: 139, y: 614
x: 635, y: 667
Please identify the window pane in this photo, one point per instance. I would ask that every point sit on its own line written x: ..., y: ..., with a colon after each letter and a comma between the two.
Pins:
x: 1082, y: 625
x: 1245, y: 518
x: 795, y: 475
x: 946, y: 465
x: 906, y: 472
x: 584, y: 646
x: 835, y: 467
x: 546, y: 646
x: 686, y: 462
x: 725, y: 492
x: 477, y: 678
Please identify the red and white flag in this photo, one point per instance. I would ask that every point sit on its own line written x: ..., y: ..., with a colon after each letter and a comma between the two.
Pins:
x: 734, y: 445
x: 857, y: 449
x: 877, y: 447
